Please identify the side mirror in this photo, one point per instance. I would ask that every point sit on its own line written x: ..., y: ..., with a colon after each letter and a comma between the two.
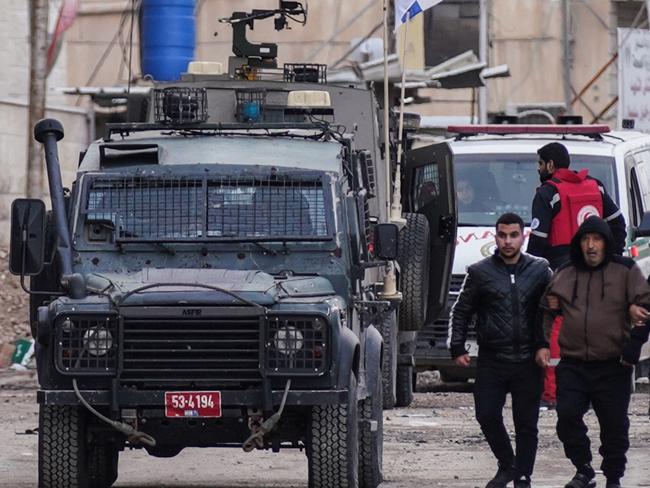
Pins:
x: 27, y: 247
x: 643, y: 230
x: 386, y: 239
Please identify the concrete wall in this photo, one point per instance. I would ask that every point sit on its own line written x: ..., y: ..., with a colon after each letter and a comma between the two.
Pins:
x: 14, y: 51
x: 14, y: 88
x: 13, y: 152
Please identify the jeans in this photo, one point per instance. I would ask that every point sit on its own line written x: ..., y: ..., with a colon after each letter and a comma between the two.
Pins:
x: 524, y: 382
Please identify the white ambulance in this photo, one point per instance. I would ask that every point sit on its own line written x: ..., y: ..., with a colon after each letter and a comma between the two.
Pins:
x: 495, y: 168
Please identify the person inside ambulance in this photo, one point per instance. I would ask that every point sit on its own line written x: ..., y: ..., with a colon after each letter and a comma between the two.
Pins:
x: 563, y: 201
x: 468, y: 200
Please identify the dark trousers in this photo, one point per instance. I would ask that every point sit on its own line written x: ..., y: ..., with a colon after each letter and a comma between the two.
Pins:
x: 607, y: 385
x: 494, y: 380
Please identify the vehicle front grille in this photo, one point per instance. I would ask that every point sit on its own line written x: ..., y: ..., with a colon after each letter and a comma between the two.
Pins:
x: 436, y: 334
x: 216, y: 350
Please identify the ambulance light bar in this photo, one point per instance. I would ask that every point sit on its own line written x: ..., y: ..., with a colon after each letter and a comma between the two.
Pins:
x: 504, y: 129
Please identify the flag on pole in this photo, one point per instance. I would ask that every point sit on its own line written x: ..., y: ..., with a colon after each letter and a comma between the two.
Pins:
x: 67, y: 14
x: 407, y: 9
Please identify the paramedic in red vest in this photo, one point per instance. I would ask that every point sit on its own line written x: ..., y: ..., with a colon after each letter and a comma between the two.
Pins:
x: 562, y: 202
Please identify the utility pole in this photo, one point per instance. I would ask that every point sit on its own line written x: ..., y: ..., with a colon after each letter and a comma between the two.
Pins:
x: 483, y: 41
x: 38, y: 18
x: 566, y: 49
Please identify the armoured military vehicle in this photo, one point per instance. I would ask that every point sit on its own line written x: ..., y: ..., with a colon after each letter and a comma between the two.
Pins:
x: 215, y: 277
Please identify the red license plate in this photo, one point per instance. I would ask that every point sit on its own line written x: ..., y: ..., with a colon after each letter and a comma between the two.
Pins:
x: 192, y: 404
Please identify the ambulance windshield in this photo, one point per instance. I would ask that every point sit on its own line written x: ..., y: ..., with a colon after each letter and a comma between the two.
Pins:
x: 488, y: 185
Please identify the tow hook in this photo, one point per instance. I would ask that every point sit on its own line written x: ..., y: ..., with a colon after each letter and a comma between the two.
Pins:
x: 259, y: 430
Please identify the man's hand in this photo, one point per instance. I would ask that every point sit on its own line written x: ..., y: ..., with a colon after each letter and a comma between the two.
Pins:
x: 638, y: 315
x: 553, y: 302
x: 543, y: 357
x: 463, y: 360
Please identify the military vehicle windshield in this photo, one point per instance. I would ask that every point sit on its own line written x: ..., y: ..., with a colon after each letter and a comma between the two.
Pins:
x: 164, y: 209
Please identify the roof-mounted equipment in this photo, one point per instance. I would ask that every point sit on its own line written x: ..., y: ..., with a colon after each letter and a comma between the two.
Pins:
x: 506, y: 119
x: 594, y: 131
x: 569, y: 119
x: 305, y: 73
x: 262, y: 55
x: 250, y: 104
x: 301, y: 106
x: 180, y: 105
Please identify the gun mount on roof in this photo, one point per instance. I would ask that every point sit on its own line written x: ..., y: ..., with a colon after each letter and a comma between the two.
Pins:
x: 262, y: 55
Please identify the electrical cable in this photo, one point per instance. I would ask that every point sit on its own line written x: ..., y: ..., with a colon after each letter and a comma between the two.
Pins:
x: 108, y: 49
x: 134, y: 436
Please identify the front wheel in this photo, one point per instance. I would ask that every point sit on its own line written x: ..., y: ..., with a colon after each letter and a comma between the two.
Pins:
x: 333, y: 444
x: 371, y: 438
x: 404, y: 392
x: 62, y: 447
x: 102, y: 465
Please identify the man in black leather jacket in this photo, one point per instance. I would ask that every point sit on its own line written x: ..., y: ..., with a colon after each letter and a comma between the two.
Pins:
x: 504, y: 292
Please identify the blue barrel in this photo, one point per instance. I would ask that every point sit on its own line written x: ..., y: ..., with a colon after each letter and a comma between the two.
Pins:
x: 167, y: 38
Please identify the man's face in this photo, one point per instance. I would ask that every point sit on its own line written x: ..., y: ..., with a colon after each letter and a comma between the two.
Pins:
x: 592, y: 246
x: 545, y: 169
x: 509, y: 240
x: 465, y: 192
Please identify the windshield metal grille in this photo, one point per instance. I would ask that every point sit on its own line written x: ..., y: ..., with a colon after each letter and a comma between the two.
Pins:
x: 190, y: 209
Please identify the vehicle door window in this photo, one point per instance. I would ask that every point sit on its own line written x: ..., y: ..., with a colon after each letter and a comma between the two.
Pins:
x: 427, y: 185
x: 635, y: 197
x: 643, y: 163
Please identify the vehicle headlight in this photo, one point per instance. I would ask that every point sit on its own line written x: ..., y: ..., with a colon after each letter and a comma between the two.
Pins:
x: 288, y: 340
x: 97, y: 341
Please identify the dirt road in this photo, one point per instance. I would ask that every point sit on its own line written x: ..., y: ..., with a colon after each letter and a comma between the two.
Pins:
x: 435, y: 443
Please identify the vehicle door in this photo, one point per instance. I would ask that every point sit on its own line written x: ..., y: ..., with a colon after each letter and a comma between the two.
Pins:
x: 638, y: 188
x: 430, y: 190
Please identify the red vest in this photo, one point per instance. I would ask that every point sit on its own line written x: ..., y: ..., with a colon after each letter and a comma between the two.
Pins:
x: 579, y: 198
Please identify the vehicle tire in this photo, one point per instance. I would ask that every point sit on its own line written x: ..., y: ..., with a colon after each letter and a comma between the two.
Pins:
x: 414, y: 259
x: 404, y: 391
x: 371, y: 442
x: 333, y: 443
x: 447, y: 377
x: 388, y: 330
x: 102, y: 465
x: 62, y: 447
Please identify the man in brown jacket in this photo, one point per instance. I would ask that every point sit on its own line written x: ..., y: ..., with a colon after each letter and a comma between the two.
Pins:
x: 595, y: 292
